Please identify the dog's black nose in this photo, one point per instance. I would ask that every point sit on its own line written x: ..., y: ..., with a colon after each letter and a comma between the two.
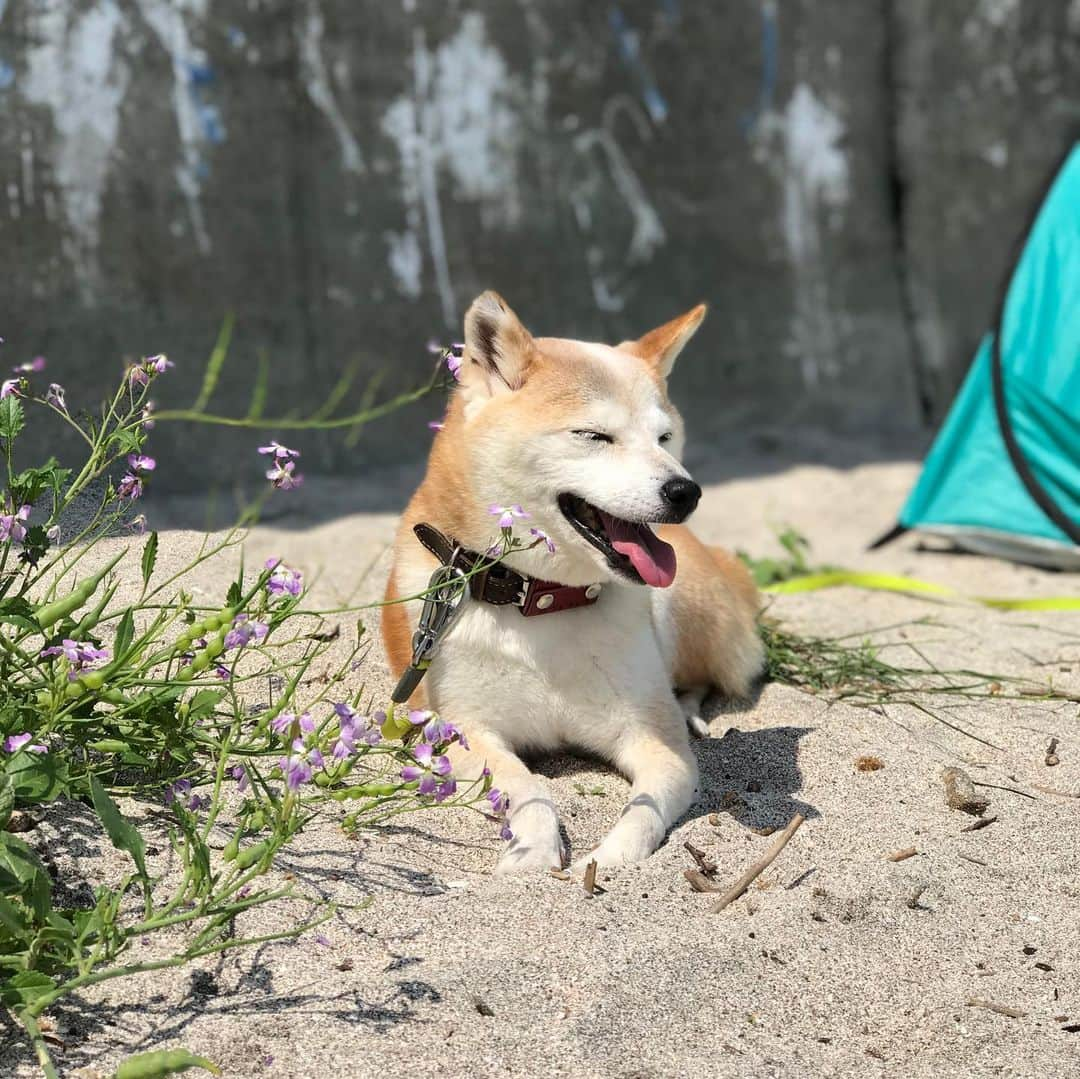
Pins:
x: 682, y: 496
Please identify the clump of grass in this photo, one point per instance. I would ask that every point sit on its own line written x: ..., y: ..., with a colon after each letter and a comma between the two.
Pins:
x: 768, y: 571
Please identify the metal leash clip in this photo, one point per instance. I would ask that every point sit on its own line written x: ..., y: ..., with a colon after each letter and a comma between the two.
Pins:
x: 443, y: 603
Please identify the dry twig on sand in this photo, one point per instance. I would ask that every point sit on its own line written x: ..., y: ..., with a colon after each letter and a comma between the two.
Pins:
x: 901, y: 855
x: 982, y: 822
x: 704, y: 862
x: 699, y: 881
x: 990, y: 1006
x: 590, y: 878
x: 760, y: 866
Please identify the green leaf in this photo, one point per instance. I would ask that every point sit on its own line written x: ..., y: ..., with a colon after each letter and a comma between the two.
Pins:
x: 11, y: 418
x: 149, y: 557
x: 235, y: 594
x: 7, y: 799
x: 204, y: 702
x: 30, y: 985
x: 23, y: 875
x: 14, y: 921
x: 122, y: 833
x: 37, y: 777
x: 214, y: 365
x: 125, y: 634
x: 163, y: 1062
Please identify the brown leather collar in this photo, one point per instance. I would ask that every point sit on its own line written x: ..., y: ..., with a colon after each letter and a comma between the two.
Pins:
x: 494, y: 583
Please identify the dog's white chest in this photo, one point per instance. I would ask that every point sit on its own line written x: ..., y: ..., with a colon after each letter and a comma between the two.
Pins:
x: 549, y: 680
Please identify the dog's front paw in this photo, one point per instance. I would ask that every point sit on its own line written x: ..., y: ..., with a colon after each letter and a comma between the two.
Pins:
x: 625, y: 848
x: 525, y: 858
x: 531, y: 850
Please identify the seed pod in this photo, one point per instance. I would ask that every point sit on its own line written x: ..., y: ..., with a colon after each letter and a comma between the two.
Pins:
x: 163, y: 1062
x: 232, y: 848
x: 367, y: 790
x: 250, y: 855
x: 109, y: 745
x: 51, y: 613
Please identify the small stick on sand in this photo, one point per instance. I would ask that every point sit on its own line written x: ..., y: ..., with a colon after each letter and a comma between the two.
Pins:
x: 901, y: 855
x: 705, y: 863
x: 976, y: 825
x: 699, y: 881
x: 1011, y: 790
x: 1052, y: 758
x: 759, y: 867
x: 1054, y: 790
x: 590, y: 878
x: 990, y: 1006
x: 974, y: 861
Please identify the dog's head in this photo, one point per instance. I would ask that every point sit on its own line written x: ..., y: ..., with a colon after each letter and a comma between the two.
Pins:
x: 583, y: 436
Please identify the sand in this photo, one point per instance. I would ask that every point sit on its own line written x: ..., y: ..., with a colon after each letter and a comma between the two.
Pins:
x: 836, y: 962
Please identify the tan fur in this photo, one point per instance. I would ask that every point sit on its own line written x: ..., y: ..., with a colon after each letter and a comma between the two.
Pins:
x: 714, y: 606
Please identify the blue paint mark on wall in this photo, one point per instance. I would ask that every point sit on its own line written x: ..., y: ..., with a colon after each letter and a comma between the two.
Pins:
x: 770, y: 41
x: 200, y: 77
x: 628, y: 44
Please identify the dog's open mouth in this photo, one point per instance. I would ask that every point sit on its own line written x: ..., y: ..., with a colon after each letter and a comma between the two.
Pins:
x: 631, y: 547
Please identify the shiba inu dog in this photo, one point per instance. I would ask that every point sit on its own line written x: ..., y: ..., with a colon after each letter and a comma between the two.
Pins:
x: 582, y: 640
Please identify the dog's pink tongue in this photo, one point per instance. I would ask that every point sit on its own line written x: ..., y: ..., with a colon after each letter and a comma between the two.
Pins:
x: 648, y: 553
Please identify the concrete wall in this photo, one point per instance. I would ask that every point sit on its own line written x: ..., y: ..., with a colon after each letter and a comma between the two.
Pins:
x: 841, y: 181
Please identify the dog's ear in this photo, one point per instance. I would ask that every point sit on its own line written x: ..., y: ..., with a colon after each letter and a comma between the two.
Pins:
x: 498, y: 349
x: 660, y: 347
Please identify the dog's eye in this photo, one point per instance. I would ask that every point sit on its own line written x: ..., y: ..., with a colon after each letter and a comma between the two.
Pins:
x: 665, y: 437
x: 594, y: 436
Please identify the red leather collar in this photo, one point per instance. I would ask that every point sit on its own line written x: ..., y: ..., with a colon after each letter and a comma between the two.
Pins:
x: 492, y: 582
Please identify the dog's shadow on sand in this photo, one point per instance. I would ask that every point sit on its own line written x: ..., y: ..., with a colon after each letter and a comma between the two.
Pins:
x: 750, y: 772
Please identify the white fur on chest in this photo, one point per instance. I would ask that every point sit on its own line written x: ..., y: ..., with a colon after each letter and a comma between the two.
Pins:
x: 566, y: 679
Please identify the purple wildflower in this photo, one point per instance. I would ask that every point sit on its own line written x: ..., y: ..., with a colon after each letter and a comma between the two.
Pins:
x: 279, y: 451
x: 14, y: 742
x: 10, y: 388
x: 410, y: 772
x: 244, y: 630
x: 138, y: 376
x: 284, y: 476
x: 131, y: 484
x: 299, y: 766
x: 240, y: 774
x: 321, y: 938
x: 435, y: 425
x: 419, y: 716
x: 506, y: 514
x: 499, y: 802
x: 179, y: 793
x: 544, y: 538
x: 80, y: 656
x: 158, y: 365
x: 446, y: 789
x: 282, y: 723
x: 425, y: 754
x: 283, y: 580
x: 138, y: 524
x: 55, y: 397
x: 52, y: 534
x: 147, y: 418
x: 12, y: 525
x: 32, y: 367
x: 130, y: 487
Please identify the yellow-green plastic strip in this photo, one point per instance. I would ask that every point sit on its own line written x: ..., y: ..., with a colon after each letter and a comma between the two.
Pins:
x: 887, y: 582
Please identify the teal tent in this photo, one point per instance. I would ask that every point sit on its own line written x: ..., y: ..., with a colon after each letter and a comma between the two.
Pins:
x: 1003, y: 475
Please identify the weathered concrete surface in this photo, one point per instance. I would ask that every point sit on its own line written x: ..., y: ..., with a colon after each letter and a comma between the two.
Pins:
x: 346, y: 176
x: 988, y: 99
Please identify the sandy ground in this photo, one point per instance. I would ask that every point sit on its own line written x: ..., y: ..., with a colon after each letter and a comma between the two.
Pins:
x: 828, y: 966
